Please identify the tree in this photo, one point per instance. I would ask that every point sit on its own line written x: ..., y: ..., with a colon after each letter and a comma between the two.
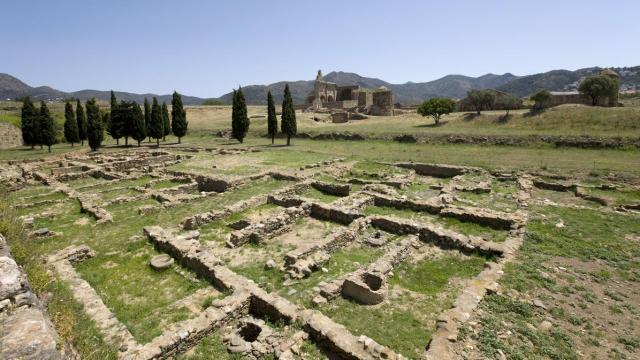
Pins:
x: 81, y: 119
x: 156, y: 129
x: 541, y: 99
x: 95, y: 125
x: 46, y: 127
x: 510, y: 102
x: 437, y: 107
x: 166, y: 124
x: 138, y: 129
x: 288, y: 124
x: 70, y: 125
x: 476, y: 99
x: 147, y: 117
x: 597, y: 87
x: 113, y: 129
x: 28, y: 122
x: 272, y: 119
x: 122, y: 120
x: 488, y: 99
x: 239, y: 119
x: 179, y: 121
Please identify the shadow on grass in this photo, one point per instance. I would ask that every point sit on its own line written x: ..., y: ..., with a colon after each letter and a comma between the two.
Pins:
x: 441, y: 123
x: 470, y: 116
x: 534, y: 112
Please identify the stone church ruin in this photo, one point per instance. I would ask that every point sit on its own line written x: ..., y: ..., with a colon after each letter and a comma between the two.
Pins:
x: 349, y: 101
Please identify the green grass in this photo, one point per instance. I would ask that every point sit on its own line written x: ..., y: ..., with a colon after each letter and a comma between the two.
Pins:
x: 211, y: 347
x: 315, y: 194
x: 466, y: 228
x: 405, y: 323
x: 431, y: 276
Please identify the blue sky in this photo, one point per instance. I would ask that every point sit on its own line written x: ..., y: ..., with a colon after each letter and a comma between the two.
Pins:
x: 205, y: 48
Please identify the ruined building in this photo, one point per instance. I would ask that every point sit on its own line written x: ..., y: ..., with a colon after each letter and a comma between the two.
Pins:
x: 352, y: 98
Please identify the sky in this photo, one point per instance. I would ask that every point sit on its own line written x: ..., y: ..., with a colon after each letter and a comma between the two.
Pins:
x: 206, y: 48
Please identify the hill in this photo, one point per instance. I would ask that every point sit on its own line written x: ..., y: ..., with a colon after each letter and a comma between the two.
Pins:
x: 12, y: 87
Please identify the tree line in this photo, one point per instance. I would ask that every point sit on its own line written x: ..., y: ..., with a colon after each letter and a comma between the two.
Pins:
x: 126, y: 119
x: 240, y: 120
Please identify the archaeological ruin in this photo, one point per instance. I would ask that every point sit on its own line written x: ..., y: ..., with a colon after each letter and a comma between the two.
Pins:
x: 179, y: 252
x: 349, y: 100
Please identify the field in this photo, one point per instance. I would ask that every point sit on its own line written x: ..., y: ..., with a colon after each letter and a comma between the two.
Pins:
x: 337, y: 249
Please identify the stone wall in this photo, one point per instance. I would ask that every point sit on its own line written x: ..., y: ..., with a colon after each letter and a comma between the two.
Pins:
x: 25, y: 331
x: 10, y: 136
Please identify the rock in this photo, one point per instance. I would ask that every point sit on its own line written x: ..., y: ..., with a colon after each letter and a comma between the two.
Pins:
x: 539, y: 304
x: 325, y: 270
x: 292, y: 292
x: 161, y: 262
x: 319, y: 300
x: 270, y: 264
x: 545, y: 326
x: 41, y: 232
x: 560, y: 225
x: 10, y: 278
x: 28, y: 335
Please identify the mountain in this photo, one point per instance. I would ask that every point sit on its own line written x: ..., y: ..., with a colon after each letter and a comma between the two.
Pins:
x: 566, y: 80
x: 455, y: 86
x: 452, y: 86
x: 11, y: 88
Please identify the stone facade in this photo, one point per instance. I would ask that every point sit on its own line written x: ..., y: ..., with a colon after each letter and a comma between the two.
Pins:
x: 330, y: 96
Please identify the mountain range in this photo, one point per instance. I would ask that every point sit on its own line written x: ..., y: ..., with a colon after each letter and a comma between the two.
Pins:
x: 452, y: 86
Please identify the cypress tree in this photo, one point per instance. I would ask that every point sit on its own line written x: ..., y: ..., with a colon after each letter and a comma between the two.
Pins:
x: 147, y: 117
x: 179, y: 121
x: 289, y: 126
x: 70, y: 125
x: 272, y: 119
x: 81, y: 119
x: 156, y: 130
x: 138, y: 128
x: 47, y: 127
x: 111, y: 127
x: 29, y: 118
x: 239, y: 118
x: 95, y: 126
x: 166, y: 124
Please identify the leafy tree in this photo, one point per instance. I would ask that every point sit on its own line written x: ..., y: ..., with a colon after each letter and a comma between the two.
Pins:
x: 481, y: 99
x: 437, y: 107
x: 214, y: 102
x: 179, y: 121
x: 29, y: 122
x: 272, y: 119
x: 147, y: 116
x: 476, y: 99
x: 46, y: 127
x: 81, y: 119
x: 156, y: 125
x: 95, y: 125
x: 166, y: 123
x: 239, y: 118
x: 288, y: 124
x: 510, y: 102
x: 138, y: 130
x: 488, y: 99
x: 597, y: 87
x: 541, y: 99
x: 70, y: 125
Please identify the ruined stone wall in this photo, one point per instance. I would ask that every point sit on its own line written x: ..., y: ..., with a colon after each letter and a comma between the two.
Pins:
x: 10, y: 136
x: 382, y: 103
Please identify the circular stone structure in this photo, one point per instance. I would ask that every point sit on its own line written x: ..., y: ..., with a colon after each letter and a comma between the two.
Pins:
x: 161, y: 262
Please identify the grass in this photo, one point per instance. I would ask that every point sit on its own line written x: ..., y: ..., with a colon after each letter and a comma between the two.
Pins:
x: 406, y: 321
x: 467, y: 228
x: 315, y: 194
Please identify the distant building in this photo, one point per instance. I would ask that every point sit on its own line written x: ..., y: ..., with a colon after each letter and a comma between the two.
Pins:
x: 574, y: 97
x: 328, y: 95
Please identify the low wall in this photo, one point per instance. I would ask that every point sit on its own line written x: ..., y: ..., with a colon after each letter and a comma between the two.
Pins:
x: 10, y: 136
